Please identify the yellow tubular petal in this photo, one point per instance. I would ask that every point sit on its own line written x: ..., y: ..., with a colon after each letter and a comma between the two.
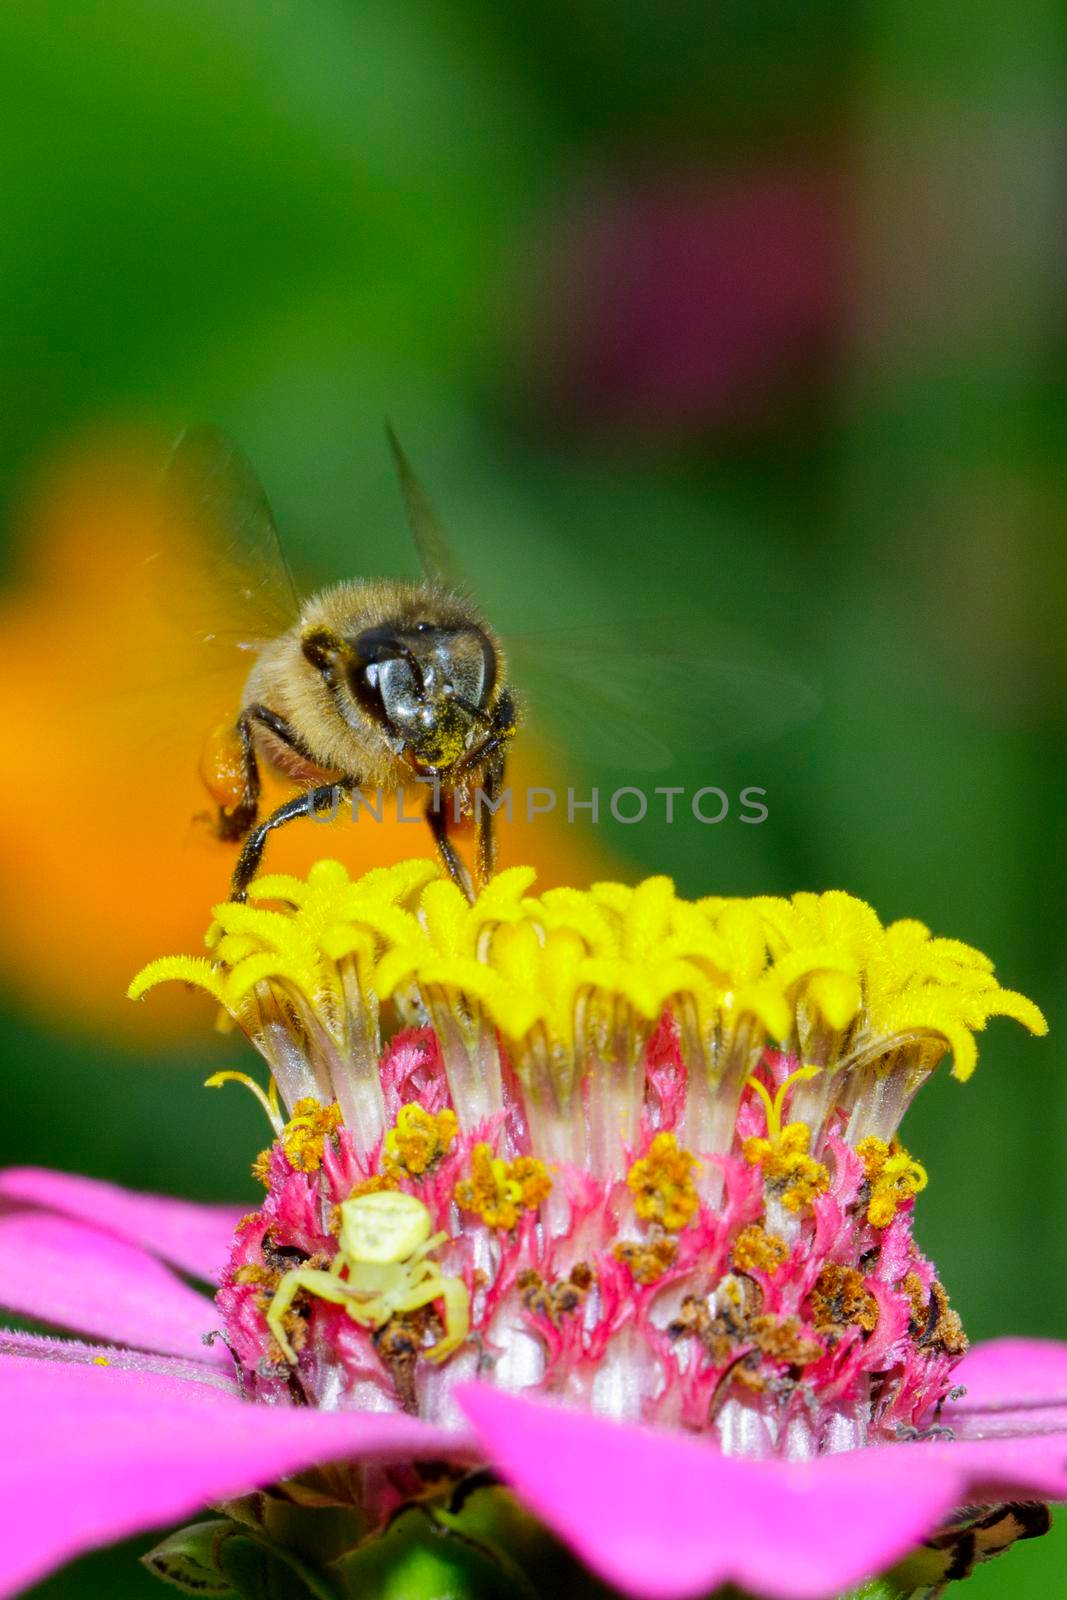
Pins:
x: 646, y: 918
x: 614, y: 897
x: 398, y: 967
x: 1006, y: 1003
x: 766, y: 1002
x: 577, y: 911
x: 195, y: 970
x: 447, y: 916
x: 281, y: 886
x: 802, y: 963
x: 734, y: 971
x: 836, y: 995
x: 277, y: 930
x: 501, y: 900
x: 260, y: 968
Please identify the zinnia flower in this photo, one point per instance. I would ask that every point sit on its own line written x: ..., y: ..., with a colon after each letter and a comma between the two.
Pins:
x: 598, y: 1195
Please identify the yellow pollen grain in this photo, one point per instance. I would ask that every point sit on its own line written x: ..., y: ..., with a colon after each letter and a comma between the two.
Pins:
x: 419, y: 1139
x: 498, y: 1190
x: 375, y: 1184
x: 894, y: 1178
x: 756, y: 1250
x: 662, y: 1184
x: 304, y: 1135
x: 253, y: 1273
x: 787, y: 1166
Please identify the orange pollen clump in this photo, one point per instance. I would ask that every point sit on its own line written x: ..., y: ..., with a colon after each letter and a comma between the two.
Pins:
x: 419, y: 1139
x: 306, y: 1132
x: 662, y: 1184
x: 784, y: 1339
x: 756, y: 1250
x: 787, y: 1166
x: 840, y: 1299
x: 893, y: 1176
x: 647, y: 1261
x: 253, y: 1273
x: 933, y: 1321
x: 498, y: 1190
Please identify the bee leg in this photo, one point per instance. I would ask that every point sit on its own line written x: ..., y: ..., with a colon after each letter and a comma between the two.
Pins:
x: 499, y: 733
x: 235, y: 821
x: 278, y: 726
x: 490, y: 756
x: 304, y: 805
x: 490, y: 790
x: 231, y: 774
x: 437, y: 817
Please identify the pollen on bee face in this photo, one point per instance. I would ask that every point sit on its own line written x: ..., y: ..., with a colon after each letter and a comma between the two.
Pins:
x: 606, y: 1145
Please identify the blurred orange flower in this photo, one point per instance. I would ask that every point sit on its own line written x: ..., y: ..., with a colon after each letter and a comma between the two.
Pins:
x: 108, y: 702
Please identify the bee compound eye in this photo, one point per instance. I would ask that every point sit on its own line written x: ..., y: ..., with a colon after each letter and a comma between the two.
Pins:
x: 377, y: 644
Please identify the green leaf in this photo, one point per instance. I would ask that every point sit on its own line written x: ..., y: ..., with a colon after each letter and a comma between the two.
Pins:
x: 260, y: 1571
x: 188, y: 1559
x: 877, y: 1589
x: 225, y: 1558
x: 415, y: 1561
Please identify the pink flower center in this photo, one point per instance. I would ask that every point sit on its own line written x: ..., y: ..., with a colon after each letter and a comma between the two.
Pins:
x: 763, y: 1287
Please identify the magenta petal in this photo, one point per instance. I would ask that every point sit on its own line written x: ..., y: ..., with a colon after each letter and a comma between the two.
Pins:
x: 196, y: 1238
x: 94, y: 1455
x: 663, y: 1515
x: 1014, y: 1387
x: 1033, y: 1467
x: 188, y: 1377
x: 1014, y: 1372
x: 64, y: 1273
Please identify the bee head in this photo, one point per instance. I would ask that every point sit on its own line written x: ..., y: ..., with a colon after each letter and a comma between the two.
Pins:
x: 426, y: 685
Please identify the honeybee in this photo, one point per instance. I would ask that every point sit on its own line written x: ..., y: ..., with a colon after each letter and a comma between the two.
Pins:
x: 373, y: 685
x: 381, y: 684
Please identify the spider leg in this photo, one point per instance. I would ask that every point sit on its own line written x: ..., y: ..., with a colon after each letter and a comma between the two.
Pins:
x: 323, y: 1284
x: 453, y: 1291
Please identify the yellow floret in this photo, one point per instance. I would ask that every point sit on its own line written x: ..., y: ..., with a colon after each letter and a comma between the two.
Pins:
x: 498, y: 1190
x: 783, y: 1152
x: 894, y: 1178
x: 418, y: 1139
x: 304, y: 1135
x: 571, y: 977
x: 662, y: 1184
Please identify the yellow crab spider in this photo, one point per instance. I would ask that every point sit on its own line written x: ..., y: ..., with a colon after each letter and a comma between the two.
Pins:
x: 383, y: 1252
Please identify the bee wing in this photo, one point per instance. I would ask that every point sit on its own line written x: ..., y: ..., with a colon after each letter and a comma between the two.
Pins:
x: 636, y: 695
x: 427, y: 530
x: 641, y: 694
x: 236, y: 590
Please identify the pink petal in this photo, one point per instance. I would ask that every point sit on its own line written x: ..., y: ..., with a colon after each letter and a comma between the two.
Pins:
x: 195, y: 1238
x: 96, y: 1454
x: 64, y: 1273
x: 1032, y: 1467
x: 664, y: 1516
x: 187, y: 1377
x: 1014, y: 1372
x: 1014, y: 1387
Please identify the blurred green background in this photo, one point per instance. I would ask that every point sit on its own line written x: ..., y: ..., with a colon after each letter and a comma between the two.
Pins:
x: 747, y: 313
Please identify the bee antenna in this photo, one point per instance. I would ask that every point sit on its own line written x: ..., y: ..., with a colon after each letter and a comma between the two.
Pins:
x: 427, y: 530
